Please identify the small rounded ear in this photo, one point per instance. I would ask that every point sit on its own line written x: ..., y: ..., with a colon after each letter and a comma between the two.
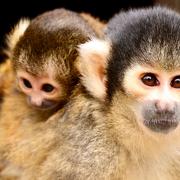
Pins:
x: 16, y: 34
x: 92, y: 62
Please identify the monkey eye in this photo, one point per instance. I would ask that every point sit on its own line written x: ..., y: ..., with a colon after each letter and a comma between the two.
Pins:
x: 47, y: 88
x: 175, y: 83
x: 149, y: 79
x: 26, y: 83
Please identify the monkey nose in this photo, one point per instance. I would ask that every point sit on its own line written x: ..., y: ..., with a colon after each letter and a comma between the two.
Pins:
x: 35, y: 101
x: 164, y: 105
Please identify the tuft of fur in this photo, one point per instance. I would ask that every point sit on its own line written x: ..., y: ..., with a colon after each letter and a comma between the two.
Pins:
x: 16, y: 34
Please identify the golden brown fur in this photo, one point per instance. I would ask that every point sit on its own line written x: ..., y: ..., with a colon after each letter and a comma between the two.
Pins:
x: 90, y: 138
x: 16, y: 116
x: 95, y: 23
x: 6, y: 77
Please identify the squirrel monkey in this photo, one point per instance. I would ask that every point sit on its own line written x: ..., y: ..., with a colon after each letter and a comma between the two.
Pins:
x: 122, y: 121
x: 43, y: 53
x: 134, y: 134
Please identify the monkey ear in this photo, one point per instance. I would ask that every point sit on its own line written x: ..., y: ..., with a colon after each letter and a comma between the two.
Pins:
x: 92, y: 66
x: 16, y: 34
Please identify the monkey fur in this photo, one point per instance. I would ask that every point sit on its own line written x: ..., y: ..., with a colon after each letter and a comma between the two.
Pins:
x: 95, y: 23
x: 55, y: 34
x: 6, y: 77
x: 97, y: 135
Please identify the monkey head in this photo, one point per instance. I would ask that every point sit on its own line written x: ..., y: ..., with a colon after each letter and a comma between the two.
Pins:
x: 143, y: 68
x: 145, y: 65
x: 42, y: 68
x: 44, y: 52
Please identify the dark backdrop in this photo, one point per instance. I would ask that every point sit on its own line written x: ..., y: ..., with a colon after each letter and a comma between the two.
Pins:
x: 12, y: 11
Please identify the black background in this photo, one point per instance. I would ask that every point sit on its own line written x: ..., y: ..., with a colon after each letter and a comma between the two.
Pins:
x: 11, y: 12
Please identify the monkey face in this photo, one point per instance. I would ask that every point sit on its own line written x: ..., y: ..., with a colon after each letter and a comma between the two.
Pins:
x: 157, y: 95
x: 42, y: 92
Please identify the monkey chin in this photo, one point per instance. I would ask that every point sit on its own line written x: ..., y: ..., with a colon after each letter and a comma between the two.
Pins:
x: 161, y: 126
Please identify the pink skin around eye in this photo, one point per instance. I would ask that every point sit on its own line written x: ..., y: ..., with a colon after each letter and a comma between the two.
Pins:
x: 33, y: 88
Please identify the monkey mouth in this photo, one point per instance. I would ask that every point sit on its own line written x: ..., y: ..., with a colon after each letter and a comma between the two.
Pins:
x: 45, y: 107
x: 161, y: 126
